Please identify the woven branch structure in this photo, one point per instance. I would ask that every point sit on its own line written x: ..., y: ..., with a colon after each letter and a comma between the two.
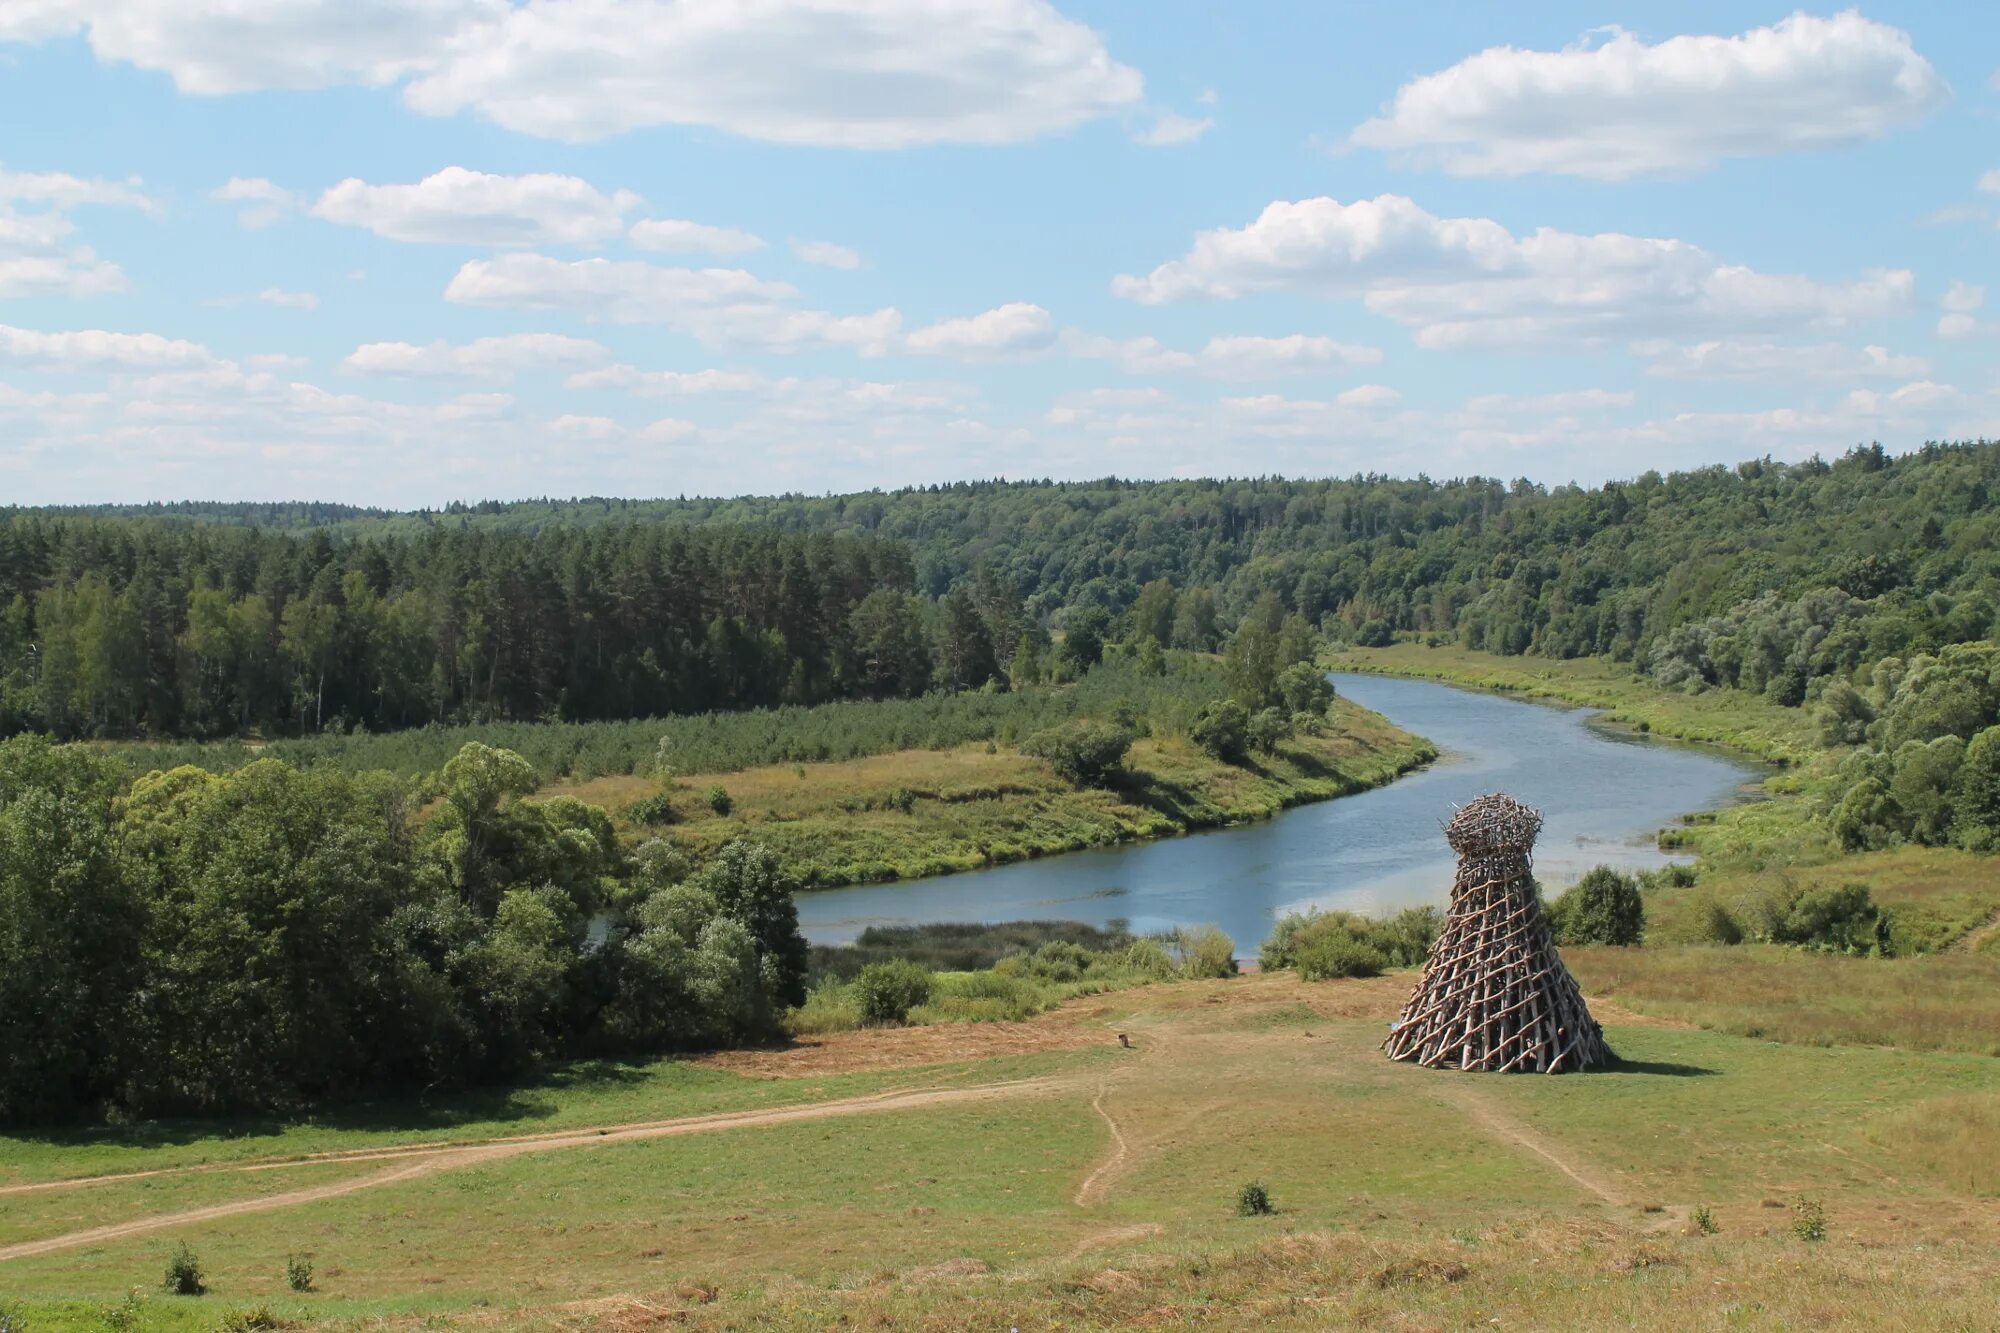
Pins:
x: 1495, y: 995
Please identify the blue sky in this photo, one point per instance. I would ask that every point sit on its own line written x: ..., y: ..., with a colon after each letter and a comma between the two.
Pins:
x: 406, y: 251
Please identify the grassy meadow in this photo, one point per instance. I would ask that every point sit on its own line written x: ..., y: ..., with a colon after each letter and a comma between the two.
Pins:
x: 932, y: 811
x: 1093, y: 1186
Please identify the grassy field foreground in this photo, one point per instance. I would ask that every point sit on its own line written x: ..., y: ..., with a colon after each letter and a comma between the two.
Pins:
x: 1039, y: 1175
x: 930, y: 812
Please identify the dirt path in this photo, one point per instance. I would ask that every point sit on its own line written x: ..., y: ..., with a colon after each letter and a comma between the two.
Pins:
x: 1501, y: 1125
x: 419, y: 1160
x: 1094, y: 1185
x: 1970, y: 941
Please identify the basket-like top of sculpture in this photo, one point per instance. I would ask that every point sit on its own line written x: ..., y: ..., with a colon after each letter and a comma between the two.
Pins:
x: 1493, y: 824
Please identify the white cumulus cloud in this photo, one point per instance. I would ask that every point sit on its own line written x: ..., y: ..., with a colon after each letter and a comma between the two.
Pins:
x: 462, y: 207
x: 263, y: 201
x: 494, y: 358
x: 1624, y: 108
x: 1171, y: 130
x: 720, y: 306
x: 682, y: 237
x: 1225, y: 357
x: 1470, y: 281
x: 1015, y: 329
x: 96, y: 349
x: 1729, y: 360
x: 826, y: 254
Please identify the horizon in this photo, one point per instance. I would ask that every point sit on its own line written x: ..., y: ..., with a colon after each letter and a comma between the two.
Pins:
x: 386, y: 262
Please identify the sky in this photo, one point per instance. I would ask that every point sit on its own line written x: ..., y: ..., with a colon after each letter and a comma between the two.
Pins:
x: 402, y: 252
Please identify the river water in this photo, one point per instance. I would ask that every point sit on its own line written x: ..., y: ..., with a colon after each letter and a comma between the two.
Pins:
x: 1604, y: 792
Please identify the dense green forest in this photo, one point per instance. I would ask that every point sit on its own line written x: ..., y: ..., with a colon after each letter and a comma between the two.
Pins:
x: 144, y: 627
x: 1764, y: 576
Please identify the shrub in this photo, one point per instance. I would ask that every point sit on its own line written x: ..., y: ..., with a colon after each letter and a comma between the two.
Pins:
x: 122, y: 1317
x: 1253, y: 1200
x: 719, y: 801
x: 1808, y: 1219
x: 1267, y: 727
x: 1083, y: 754
x: 1329, y: 955
x: 184, y: 1277
x: 12, y: 1320
x: 651, y: 811
x: 256, y: 1319
x: 1833, y: 920
x: 1147, y: 958
x: 1222, y: 729
x: 1375, y: 634
x: 1704, y: 1221
x: 902, y: 799
x: 1058, y: 960
x: 298, y: 1272
x: 1604, y: 907
x: 888, y: 991
x: 1206, y: 953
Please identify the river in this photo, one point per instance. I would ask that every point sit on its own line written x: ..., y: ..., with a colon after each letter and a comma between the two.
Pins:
x: 1604, y: 792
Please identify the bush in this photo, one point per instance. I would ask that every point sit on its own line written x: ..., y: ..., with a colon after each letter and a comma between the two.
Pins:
x: 1222, y: 729
x: 1330, y: 955
x: 1058, y: 960
x: 1833, y: 920
x: 1604, y: 907
x: 651, y: 811
x: 1148, y: 958
x: 1253, y: 1200
x: 256, y: 1319
x: 1206, y: 953
x: 1808, y: 1219
x: 184, y: 1277
x: 298, y: 1272
x: 1342, y: 944
x: 888, y: 991
x: 1704, y: 1221
x: 1267, y: 728
x: 1083, y: 754
x: 719, y: 801
x: 12, y: 1320
x: 1375, y: 634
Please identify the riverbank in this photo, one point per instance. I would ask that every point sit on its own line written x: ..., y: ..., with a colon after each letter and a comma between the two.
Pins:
x: 914, y: 813
x: 1745, y: 723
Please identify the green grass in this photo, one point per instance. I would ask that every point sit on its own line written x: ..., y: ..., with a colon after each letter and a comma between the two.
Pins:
x: 1404, y: 1196
x: 929, y: 812
x: 1744, y: 722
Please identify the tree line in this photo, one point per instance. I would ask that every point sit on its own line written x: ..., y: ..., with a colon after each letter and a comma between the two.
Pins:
x: 277, y: 938
x: 118, y: 628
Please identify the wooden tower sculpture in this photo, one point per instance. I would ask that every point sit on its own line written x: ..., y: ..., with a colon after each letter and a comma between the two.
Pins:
x: 1495, y: 994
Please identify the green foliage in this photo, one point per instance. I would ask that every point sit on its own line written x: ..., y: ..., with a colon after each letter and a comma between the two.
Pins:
x: 183, y: 1276
x: 1808, y: 1219
x: 1084, y: 754
x: 962, y: 946
x: 12, y: 1320
x: 1253, y: 1200
x: 718, y: 799
x: 1205, y: 953
x: 1324, y: 945
x: 1836, y: 919
x: 256, y: 1319
x: 1268, y: 727
x: 123, y: 1317
x: 1703, y: 1220
x: 1604, y: 907
x: 298, y: 1272
x: 889, y: 991
x: 1222, y: 729
x: 652, y: 810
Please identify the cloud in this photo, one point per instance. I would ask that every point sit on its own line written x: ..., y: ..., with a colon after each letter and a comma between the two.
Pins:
x: 1223, y: 358
x: 460, y: 207
x: 96, y: 349
x: 278, y: 296
x: 1015, y: 329
x: 235, y: 46
x: 37, y: 259
x: 1624, y: 108
x: 681, y: 237
x: 667, y: 383
x: 62, y: 191
x: 493, y: 358
x: 265, y: 202
x: 1989, y: 181
x: 825, y: 73
x: 1959, y: 321
x: 1470, y: 282
x: 1172, y: 130
x: 1724, y: 360
x: 826, y: 254
x: 722, y: 307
